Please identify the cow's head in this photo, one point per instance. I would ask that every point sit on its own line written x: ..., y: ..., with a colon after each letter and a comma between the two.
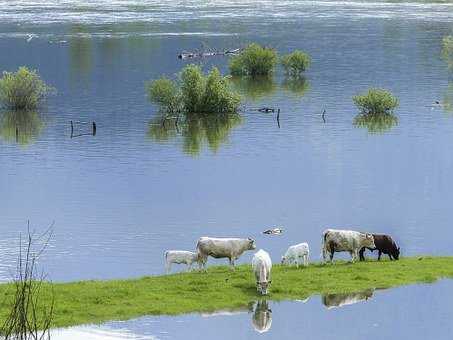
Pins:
x: 396, y: 253
x: 368, y: 241
x: 251, y: 244
x: 263, y: 287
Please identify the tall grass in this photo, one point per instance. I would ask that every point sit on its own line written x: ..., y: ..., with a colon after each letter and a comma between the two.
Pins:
x: 255, y: 60
x: 23, y: 90
x: 376, y: 101
x: 194, y: 93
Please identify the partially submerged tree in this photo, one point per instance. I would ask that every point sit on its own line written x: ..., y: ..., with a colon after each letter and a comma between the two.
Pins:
x: 295, y: 63
x: 254, y: 60
x: 32, y: 303
x: 376, y: 101
x: 23, y: 90
x: 194, y: 93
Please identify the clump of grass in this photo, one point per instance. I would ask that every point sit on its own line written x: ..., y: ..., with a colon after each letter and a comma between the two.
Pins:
x: 254, y: 60
x: 194, y: 93
x: 376, y: 101
x: 23, y: 90
x: 447, y: 50
x: 220, y: 288
x: 295, y: 63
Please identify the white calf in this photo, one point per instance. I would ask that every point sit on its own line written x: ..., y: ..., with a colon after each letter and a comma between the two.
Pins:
x: 297, y: 254
x: 179, y: 257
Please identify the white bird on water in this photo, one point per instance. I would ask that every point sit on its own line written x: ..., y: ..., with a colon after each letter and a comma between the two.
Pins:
x: 30, y: 36
x: 273, y: 231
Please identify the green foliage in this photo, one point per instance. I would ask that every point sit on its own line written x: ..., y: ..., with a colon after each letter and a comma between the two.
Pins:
x: 22, y: 90
x: 164, y: 92
x: 447, y: 50
x: 21, y: 127
x: 376, y: 101
x: 194, y: 93
x: 376, y: 123
x: 295, y: 63
x: 221, y: 288
x: 255, y: 60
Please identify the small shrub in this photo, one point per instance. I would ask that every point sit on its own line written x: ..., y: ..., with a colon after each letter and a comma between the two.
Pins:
x: 295, y: 63
x: 255, y: 60
x: 376, y: 101
x: 23, y: 90
x: 194, y: 92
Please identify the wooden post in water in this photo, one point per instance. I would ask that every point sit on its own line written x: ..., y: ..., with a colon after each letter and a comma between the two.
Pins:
x: 72, y: 128
x: 94, y: 128
x: 278, y: 118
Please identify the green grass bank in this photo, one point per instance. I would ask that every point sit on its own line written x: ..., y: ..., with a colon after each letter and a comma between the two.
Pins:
x: 221, y: 288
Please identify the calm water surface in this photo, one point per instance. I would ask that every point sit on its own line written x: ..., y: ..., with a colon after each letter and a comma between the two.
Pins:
x: 122, y: 197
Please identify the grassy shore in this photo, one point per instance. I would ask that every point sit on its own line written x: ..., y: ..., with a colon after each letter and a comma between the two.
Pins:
x: 220, y: 288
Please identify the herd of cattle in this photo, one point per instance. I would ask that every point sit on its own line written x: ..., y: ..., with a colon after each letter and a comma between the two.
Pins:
x: 333, y: 240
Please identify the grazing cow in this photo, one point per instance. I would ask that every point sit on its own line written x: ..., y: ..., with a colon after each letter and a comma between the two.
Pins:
x: 345, y: 240
x: 179, y: 257
x: 262, y: 265
x: 384, y: 244
x: 230, y: 248
x: 339, y: 300
x: 297, y: 254
x: 262, y: 317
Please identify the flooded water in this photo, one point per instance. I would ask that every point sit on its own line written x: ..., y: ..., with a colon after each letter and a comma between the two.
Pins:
x: 122, y: 197
x: 414, y: 312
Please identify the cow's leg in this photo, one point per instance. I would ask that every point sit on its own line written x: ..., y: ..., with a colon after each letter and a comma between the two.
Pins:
x: 379, y: 255
x: 361, y: 252
x: 189, y: 266
x: 352, y: 256
x: 331, y: 255
x: 168, y: 267
x: 231, y: 262
x: 390, y: 257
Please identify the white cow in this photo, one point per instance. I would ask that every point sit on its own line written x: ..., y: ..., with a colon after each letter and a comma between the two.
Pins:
x: 262, y: 265
x: 345, y: 240
x: 297, y: 254
x: 179, y: 257
x: 230, y: 248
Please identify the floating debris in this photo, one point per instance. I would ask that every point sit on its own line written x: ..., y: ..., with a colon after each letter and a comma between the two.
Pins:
x: 92, y: 133
x: 191, y: 55
x: 273, y: 231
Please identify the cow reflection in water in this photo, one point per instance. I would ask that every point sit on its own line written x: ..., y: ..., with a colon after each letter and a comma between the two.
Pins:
x: 262, y: 316
x: 340, y: 300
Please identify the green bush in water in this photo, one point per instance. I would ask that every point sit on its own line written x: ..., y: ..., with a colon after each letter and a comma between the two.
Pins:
x: 447, y: 50
x: 376, y: 101
x: 22, y: 90
x: 376, y: 123
x: 295, y: 63
x: 255, y: 60
x: 164, y: 92
x: 195, y: 92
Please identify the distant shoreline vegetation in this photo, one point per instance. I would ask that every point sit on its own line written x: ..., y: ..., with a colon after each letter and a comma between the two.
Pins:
x: 221, y: 288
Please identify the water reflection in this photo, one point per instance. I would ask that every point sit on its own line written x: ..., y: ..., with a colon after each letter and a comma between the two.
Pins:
x: 296, y: 85
x: 447, y: 102
x: 262, y: 316
x: 254, y: 88
x: 21, y: 127
x: 196, y: 131
x: 80, y: 51
x: 376, y: 123
x: 447, y: 50
x: 340, y: 300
